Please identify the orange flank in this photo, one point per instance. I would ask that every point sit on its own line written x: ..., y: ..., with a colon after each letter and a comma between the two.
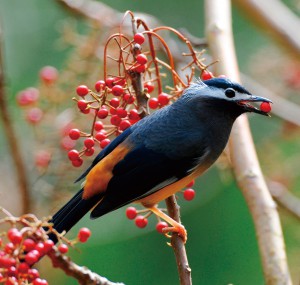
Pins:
x: 171, y: 189
x: 98, y: 178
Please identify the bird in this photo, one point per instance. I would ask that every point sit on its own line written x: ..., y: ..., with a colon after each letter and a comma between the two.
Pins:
x: 160, y: 154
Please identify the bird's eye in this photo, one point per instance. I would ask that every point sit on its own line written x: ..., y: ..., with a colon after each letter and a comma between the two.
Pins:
x: 230, y: 93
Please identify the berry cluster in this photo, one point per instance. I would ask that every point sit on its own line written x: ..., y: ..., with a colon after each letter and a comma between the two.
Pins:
x: 113, y: 103
x: 141, y: 221
x: 21, y: 248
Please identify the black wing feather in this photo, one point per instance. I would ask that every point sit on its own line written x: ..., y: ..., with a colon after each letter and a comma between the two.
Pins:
x: 138, y: 176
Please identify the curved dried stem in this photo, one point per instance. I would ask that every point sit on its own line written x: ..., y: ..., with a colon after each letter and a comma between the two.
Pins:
x: 245, y: 163
x: 12, y: 141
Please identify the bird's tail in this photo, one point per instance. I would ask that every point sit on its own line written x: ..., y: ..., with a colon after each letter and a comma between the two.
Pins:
x: 65, y: 218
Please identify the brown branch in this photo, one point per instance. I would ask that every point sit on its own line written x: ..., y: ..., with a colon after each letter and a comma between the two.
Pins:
x: 80, y: 273
x: 12, y: 140
x: 246, y: 166
x: 285, y: 198
x: 282, y: 108
x: 178, y: 246
x: 276, y: 20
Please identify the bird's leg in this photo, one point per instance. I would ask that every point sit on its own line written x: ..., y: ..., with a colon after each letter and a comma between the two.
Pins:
x: 176, y: 227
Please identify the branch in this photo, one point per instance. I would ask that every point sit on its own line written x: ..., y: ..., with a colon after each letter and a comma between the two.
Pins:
x: 12, y: 140
x: 80, y: 273
x: 285, y: 198
x: 177, y: 243
x: 246, y: 166
x: 276, y: 19
x: 282, y: 108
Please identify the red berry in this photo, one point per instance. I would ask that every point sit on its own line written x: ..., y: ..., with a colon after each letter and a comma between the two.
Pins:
x: 99, y: 85
x: 121, y: 112
x: 120, y: 81
x: 125, y: 124
x: 32, y: 257
x: 48, y: 74
x: 153, y: 103
x: 48, y: 245
x: 115, y: 120
x: 189, y: 194
x: 28, y: 96
x: 139, y: 38
x: 39, y: 281
x: 42, y: 158
x: 117, y: 90
x: 73, y: 154
x: 98, y: 126
x: 74, y: 134
x: 100, y: 136
x: 89, y: 151
x: 141, y: 58
x: 141, y: 221
x: 40, y: 248
x: 89, y: 142
x: 82, y: 105
x: 160, y: 226
x: 33, y: 274
x: 84, y: 234
x: 134, y: 115
x: 265, y: 107
x: 113, y: 111
x: 9, y: 247
x: 78, y: 162
x: 63, y: 248
x: 128, y: 98
x: 14, y: 236
x: 131, y: 213
x: 11, y: 281
x: 34, y: 115
x: 6, y: 262
x: 104, y: 143
x: 29, y: 244
x: 82, y: 90
x: 140, y: 68
x: 206, y: 75
x: 23, y: 267
x: 102, y: 113
x: 114, y: 102
x: 149, y: 86
x: 163, y: 99
x: 67, y: 143
x: 191, y: 184
x: 109, y: 81
x: 12, y: 271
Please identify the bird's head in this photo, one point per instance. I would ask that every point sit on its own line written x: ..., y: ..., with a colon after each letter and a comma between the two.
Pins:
x: 227, y: 96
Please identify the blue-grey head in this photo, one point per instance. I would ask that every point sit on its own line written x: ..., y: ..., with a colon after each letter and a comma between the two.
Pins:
x: 223, y: 95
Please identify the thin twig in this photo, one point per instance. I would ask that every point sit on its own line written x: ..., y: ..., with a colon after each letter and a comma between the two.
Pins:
x: 177, y: 243
x: 243, y: 155
x: 82, y: 274
x: 276, y: 19
x: 285, y: 198
x: 282, y: 107
x: 12, y: 140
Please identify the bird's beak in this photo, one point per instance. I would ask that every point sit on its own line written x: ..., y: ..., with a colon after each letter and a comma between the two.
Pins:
x: 245, y: 103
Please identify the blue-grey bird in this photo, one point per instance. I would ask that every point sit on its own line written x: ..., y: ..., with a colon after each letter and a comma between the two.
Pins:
x: 161, y: 153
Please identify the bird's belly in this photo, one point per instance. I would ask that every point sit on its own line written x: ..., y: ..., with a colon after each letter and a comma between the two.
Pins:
x: 171, y: 189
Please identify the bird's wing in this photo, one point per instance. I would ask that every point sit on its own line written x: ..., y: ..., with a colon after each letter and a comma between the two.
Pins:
x: 119, y: 139
x: 140, y: 173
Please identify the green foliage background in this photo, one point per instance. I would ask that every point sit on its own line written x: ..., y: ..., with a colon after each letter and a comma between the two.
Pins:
x: 222, y: 247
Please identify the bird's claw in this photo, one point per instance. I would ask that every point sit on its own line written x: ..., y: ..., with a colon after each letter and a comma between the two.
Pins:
x: 180, y: 230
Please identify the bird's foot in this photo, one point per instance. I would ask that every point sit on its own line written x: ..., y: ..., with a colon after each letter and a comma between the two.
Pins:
x: 175, y: 227
x: 179, y: 229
